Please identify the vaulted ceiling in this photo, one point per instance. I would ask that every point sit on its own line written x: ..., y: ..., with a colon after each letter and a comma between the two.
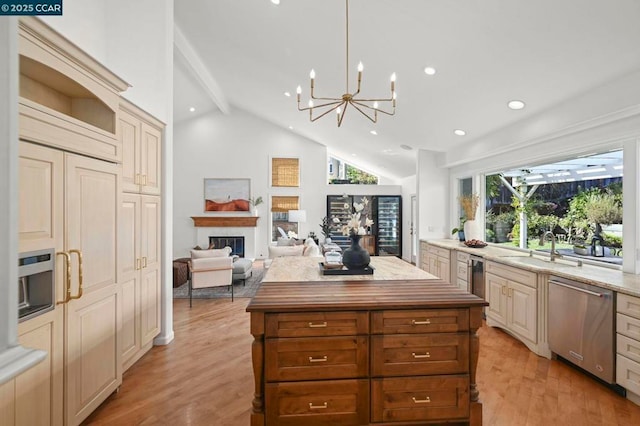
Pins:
x: 247, y: 53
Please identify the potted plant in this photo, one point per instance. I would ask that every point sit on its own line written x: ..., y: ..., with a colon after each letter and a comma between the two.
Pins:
x: 469, y: 204
x: 255, y: 202
x: 325, y: 228
x: 459, y: 230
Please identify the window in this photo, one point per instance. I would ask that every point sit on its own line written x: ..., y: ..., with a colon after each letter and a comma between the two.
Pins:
x: 280, y: 206
x: 285, y: 172
x: 345, y: 173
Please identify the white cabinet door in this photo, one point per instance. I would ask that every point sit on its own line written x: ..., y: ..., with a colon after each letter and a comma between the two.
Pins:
x: 150, y: 292
x: 129, y: 135
x: 93, y: 355
x: 497, y: 298
x: 150, y: 159
x: 522, y: 308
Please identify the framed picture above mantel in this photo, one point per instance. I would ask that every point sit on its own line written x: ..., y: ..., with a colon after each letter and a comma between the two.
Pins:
x: 227, y: 195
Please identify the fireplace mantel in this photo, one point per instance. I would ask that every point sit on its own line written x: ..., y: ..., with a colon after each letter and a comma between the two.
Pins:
x: 225, y: 221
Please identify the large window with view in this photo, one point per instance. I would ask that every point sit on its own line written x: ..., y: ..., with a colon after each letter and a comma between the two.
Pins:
x: 280, y: 224
x: 574, y: 205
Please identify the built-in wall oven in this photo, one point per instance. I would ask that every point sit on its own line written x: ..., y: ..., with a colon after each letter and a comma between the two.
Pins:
x: 36, y: 283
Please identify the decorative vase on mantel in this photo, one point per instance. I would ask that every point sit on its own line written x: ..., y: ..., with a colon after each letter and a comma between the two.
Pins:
x: 355, y: 256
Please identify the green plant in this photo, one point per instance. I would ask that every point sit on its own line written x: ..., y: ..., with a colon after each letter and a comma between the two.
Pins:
x: 460, y: 228
x: 256, y: 201
x: 325, y: 227
x: 611, y: 240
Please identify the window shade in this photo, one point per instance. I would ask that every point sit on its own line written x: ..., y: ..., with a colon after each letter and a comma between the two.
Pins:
x: 282, y: 204
x: 285, y: 172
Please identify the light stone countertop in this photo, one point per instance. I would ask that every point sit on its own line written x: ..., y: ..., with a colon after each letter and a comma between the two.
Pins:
x: 302, y: 268
x: 612, y: 279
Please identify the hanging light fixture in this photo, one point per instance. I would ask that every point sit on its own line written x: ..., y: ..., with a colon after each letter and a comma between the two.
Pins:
x: 368, y: 107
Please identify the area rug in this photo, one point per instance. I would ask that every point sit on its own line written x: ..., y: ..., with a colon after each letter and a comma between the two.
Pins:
x: 248, y: 290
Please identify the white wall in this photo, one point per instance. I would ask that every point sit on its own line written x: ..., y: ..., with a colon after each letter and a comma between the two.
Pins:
x: 433, y: 197
x: 240, y: 145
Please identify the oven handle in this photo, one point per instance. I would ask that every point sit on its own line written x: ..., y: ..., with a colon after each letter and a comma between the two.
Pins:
x: 582, y: 290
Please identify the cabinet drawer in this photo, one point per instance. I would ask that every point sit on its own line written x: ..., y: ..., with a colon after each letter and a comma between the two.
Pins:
x: 628, y: 374
x: 628, y: 326
x: 309, y: 324
x: 628, y: 347
x: 514, y: 274
x: 419, y: 321
x: 414, y: 354
x: 628, y: 305
x: 334, y: 402
x: 316, y: 358
x: 462, y: 284
x: 462, y: 257
x: 424, y: 246
x: 420, y: 398
x: 437, y: 251
x: 462, y: 270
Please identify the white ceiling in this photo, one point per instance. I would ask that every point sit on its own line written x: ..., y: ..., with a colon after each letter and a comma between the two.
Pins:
x: 486, y: 52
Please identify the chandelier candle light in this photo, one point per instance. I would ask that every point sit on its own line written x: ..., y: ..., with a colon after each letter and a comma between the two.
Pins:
x: 367, y: 107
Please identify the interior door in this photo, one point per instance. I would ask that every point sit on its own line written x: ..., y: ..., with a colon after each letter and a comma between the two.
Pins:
x: 413, y: 231
x: 93, y: 321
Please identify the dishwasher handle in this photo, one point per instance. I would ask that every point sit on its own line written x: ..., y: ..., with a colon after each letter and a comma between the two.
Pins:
x: 582, y: 290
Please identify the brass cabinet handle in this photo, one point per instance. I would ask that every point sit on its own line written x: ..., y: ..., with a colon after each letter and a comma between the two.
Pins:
x: 144, y: 179
x: 138, y: 264
x: 504, y: 289
x: 317, y: 325
x: 144, y: 261
x: 510, y: 292
x: 317, y: 407
x: 425, y: 322
x: 421, y: 401
x: 136, y: 179
x: 323, y: 359
x: 67, y: 295
x: 79, y: 295
x: 424, y: 355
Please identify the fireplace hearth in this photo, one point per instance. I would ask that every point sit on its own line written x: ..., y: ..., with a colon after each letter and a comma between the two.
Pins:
x: 236, y: 244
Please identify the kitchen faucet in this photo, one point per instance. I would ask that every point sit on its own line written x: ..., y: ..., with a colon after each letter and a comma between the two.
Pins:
x: 554, y: 253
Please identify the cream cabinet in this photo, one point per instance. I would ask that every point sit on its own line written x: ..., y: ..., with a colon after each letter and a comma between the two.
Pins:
x: 141, y: 138
x: 513, y: 301
x: 139, y: 260
x: 85, y: 229
x: 628, y: 345
x: 461, y: 269
x: 436, y: 261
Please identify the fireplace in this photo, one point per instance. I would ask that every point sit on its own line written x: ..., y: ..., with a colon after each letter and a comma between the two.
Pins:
x: 236, y: 244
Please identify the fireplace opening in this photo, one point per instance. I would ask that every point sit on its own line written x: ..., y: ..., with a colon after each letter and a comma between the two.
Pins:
x: 236, y: 244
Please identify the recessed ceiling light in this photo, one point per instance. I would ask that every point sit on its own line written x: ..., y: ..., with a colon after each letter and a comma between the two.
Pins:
x: 373, y: 132
x: 515, y: 104
x: 429, y: 71
x: 459, y: 132
x: 287, y: 94
x: 276, y: 2
x: 290, y: 127
x: 192, y: 109
x: 354, y: 155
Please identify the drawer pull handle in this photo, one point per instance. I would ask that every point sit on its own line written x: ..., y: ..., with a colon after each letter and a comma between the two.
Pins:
x: 421, y: 401
x: 318, y: 325
x: 323, y: 359
x: 425, y: 322
x: 317, y: 407
x: 424, y: 355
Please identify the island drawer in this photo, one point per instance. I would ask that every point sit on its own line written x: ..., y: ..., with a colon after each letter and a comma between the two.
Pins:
x: 419, y: 398
x: 317, y: 358
x: 334, y: 402
x: 310, y: 324
x: 413, y: 321
x: 628, y: 305
x: 628, y: 326
x: 628, y: 347
x: 462, y: 270
x: 416, y: 354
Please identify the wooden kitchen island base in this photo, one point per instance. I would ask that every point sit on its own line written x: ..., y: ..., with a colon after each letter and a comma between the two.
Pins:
x: 359, y: 350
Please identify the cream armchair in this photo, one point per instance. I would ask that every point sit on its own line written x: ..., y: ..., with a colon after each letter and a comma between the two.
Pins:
x: 210, y: 268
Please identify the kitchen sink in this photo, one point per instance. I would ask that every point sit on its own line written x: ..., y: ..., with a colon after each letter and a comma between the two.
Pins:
x: 545, y: 262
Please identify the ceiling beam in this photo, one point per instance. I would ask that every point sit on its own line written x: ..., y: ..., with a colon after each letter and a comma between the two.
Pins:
x: 199, y: 70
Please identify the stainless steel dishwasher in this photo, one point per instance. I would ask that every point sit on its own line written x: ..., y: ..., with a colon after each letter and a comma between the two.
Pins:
x: 581, y: 326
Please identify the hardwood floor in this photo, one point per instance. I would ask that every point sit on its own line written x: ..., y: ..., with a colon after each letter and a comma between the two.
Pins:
x: 204, y: 378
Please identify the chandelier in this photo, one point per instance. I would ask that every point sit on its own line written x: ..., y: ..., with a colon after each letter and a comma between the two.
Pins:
x: 368, y: 107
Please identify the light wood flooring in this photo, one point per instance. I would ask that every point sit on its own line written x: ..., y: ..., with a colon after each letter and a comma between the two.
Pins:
x: 204, y: 378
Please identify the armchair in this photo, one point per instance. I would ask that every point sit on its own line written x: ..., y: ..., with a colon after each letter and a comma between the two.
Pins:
x: 210, y: 268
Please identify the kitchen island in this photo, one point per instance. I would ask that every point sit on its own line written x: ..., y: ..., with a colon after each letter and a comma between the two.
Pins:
x: 395, y: 347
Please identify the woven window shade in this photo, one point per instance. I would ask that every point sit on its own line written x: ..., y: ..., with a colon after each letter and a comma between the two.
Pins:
x: 285, y: 172
x: 282, y: 204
